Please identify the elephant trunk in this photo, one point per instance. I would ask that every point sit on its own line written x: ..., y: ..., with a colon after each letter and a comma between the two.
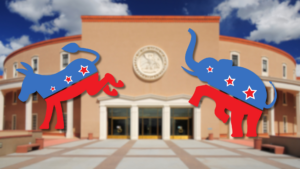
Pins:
x: 189, y: 59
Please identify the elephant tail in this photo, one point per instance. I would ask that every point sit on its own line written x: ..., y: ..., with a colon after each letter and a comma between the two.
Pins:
x: 275, y: 97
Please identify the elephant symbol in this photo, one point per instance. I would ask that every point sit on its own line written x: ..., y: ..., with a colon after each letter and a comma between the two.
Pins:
x: 234, y: 88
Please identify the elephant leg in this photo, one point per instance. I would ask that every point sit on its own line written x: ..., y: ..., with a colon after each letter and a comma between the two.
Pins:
x: 236, y: 123
x: 60, y: 117
x: 252, y: 121
x: 48, y: 116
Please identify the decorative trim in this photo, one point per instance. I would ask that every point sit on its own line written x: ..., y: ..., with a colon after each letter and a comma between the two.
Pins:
x: 43, y: 43
x: 257, y: 44
x: 138, y: 18
x: 147, y: 96
x: 156, y: 60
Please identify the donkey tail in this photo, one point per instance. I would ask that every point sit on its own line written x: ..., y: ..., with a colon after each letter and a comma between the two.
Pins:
x: 93, y: 52
x: 73, y: 48
x: 274, y: 99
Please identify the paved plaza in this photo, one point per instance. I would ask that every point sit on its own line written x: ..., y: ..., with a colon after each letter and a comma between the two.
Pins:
x: 149, y: 154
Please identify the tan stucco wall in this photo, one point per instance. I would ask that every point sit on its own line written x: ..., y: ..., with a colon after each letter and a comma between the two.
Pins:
x: 49, y: 59
x: 251, y: 58
x: 118, y: 42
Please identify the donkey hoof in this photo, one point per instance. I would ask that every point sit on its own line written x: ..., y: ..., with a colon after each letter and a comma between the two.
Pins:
x: 44, y: 126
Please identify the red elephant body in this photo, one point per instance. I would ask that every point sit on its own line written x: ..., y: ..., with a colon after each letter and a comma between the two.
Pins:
x: 237, y: 107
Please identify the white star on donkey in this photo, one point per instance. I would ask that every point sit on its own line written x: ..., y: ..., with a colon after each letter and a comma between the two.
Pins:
x: 210, y: 69
x: 52, y: 88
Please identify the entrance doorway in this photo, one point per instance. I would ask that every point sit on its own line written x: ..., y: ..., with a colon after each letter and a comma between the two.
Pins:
x: 181, y: 123
x: 150, y: 123
x: 118, y: 123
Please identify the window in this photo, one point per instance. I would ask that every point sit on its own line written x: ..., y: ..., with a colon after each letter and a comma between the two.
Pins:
x: 4, y: 74
x: 34, y: 64
x: 34, y: 97
x: 14, y: 122
x: 284, y: 71
x: 65, y: 60
x: 15, y: 97
x: 265, y: 71
x: 284, y: 98
x: 265, y: 124
x: 284, y: 124
x: 15, y: 67
x: 235, y: 57
x: 34, y: 122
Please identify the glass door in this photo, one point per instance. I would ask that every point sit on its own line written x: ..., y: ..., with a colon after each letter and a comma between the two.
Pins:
x: 118, y: 123
x: 181, y: 123
x: 150, y: 123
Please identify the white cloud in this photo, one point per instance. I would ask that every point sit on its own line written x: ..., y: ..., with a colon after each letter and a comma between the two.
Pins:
x: 14, y: 44
x: 68, y: 13
x: 298, y: 70
x: 185, y: 11
x: 275, y: 21
x: 2, y: 58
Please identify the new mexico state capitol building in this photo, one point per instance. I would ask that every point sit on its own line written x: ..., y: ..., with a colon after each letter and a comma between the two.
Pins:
x: 146, y: 53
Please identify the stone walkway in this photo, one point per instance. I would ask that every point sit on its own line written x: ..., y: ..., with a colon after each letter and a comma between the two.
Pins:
x: 149, y: 154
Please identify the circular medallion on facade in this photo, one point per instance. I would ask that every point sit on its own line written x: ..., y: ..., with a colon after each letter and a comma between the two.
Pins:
x: 150, y: 63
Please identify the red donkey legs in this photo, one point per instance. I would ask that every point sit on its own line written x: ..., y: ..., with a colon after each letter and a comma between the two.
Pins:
x: 95, y: 86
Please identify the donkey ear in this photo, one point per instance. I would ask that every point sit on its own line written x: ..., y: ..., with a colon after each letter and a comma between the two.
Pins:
x: 28, y: 67
x: 23, y: 71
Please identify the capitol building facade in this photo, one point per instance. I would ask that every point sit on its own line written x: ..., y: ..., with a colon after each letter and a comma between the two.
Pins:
x: 147, y: 53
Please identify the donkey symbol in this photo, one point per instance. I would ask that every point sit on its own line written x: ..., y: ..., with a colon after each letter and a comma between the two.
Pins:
x: 79, y: 76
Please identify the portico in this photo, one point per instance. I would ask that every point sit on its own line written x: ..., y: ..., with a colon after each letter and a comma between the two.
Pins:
x: 148, y: 101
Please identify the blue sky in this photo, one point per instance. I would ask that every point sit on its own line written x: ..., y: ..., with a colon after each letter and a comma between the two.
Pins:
x: 274, y: 22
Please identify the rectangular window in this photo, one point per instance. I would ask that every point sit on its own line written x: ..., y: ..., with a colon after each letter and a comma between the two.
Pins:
x: 35, y: 65
x: 284, y: 71
x: 284, y: 99
x: 65, y: 123
x: 284, y: 124
x: 265, y: 124
x: 265, y: 66
x: 34, y: 122
x: 15, y: 67
x: 14, y: 122
x: 235, y: 61
x: 34, y: 96
x: 65, y: 60
x: 14, y: 97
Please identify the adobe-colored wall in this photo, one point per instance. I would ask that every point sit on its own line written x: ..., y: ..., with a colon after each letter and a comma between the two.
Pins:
x: 11, y: 108
x: 251, y: 58
x: 49, y: 59
x: 289, y: 110
x: 117, y: 42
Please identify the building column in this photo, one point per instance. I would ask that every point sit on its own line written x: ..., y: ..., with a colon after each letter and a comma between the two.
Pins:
x: 69, y: 126
x: 298, y: 113
x: 230, y: 126
x: 197, y: 123
x: 271, y: 112
x: 166, y: 117
x: 28, y: 113
x: 1, y: 111
x: 103, y: 123
x: 134, y: 122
